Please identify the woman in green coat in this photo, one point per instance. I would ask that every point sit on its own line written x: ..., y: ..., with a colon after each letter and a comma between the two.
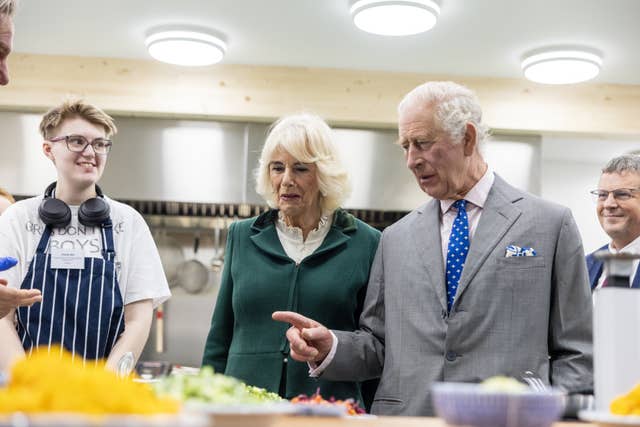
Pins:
x: 306, y: 254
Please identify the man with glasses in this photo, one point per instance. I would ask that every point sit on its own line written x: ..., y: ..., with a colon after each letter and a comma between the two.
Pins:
x: 93, y: 259
x: 618, y: 208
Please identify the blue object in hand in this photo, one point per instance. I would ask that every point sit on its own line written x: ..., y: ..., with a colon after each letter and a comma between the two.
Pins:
x: 7, y: 262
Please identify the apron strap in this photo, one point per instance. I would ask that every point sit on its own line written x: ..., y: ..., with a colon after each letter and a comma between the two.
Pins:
x: 44, y: 240
x: 108, y: 248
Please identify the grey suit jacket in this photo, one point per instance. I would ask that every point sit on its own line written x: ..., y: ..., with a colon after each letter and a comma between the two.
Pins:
x: 510, y: 315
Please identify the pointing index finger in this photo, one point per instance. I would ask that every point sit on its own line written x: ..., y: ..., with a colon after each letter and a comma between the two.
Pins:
x: 295, y: 319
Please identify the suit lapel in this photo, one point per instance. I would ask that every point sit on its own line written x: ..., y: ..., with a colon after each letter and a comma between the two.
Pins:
x: 427, y: 240
x: 594, y: 267
x: 595, y: 270
x: 636, y: 278
x: 498, y: 215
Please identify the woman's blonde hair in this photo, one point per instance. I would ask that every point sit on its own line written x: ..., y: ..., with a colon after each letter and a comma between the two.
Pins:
x: 309, y: 139
x: 8, y: 7
x: 76, y: 108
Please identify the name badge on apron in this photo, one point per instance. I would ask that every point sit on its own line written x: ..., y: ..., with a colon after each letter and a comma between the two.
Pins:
x: 67, y: 258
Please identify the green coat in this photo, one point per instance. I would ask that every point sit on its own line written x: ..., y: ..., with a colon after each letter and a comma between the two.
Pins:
x: 259, y: 278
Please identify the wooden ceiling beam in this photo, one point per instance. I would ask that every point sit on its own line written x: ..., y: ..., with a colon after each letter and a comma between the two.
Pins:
x: 343, y: 97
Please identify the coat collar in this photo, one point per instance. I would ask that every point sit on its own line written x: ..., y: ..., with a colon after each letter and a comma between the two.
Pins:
x: 266, y: 238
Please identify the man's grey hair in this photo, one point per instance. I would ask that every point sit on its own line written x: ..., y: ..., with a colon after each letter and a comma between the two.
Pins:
x: 626, y: 162
x: 8, y: 7
x: 455, y: 106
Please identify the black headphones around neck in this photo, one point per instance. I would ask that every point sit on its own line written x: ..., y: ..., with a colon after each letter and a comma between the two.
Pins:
x: 55, y: 213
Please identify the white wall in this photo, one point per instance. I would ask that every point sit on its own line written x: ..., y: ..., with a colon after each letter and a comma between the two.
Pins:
x: 570, y: 168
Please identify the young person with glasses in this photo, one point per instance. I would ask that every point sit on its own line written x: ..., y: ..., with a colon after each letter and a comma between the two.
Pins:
x: 92, y: 258
x: 618, y: 209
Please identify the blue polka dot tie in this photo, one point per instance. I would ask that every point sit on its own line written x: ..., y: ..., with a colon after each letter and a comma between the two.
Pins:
x: 457, y: 250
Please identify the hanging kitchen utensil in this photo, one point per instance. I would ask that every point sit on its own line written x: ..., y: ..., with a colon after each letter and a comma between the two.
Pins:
x: 193, y: 275
x: 218, y: 248
x: 171, y: 256
x: 160, y: 329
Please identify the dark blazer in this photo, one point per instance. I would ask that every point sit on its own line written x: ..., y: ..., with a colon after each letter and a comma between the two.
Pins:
x: 259, y: 278
x: 595, y: 267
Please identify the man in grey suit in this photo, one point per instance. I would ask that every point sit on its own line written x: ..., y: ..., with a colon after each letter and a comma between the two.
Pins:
x: 438, y: 308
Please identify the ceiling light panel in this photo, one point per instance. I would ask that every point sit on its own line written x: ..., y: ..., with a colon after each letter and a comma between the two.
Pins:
x: 185, y: 47
x: 561, y: 66
x: 395, y: 17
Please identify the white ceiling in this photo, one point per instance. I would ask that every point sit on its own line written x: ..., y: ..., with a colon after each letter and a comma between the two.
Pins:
x: 472, y: 38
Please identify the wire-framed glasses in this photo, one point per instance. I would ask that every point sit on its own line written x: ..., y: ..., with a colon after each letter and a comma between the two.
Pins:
x: 78, y: 143
x: 620, y: 194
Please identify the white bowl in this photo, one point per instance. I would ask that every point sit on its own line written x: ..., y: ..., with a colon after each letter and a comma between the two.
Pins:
x: 473, y: 405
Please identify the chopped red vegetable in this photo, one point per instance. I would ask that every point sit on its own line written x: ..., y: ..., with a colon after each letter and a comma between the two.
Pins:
x: 316, y: 399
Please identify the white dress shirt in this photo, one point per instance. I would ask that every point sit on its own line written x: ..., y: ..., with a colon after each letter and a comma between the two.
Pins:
x: 476, y: 198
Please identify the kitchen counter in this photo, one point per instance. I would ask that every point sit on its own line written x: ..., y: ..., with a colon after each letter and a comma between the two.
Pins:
x: 257, y: 420
x: 297, y: 421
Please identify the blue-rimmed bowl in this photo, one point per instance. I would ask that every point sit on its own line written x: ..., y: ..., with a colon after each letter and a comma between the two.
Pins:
x: 474, y: 405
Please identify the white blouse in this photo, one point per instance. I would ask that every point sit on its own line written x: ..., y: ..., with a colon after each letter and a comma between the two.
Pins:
x: 292, y: 242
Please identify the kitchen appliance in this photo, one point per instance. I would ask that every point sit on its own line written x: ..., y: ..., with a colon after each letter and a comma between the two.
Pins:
x: 616, y: 341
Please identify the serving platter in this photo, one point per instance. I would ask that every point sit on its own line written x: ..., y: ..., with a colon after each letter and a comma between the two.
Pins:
x: 277, y: 408
x: 321, y: 410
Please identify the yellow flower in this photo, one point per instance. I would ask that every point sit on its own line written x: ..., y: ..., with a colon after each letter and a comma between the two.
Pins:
x: 53, y: 381
x: 628, y: 404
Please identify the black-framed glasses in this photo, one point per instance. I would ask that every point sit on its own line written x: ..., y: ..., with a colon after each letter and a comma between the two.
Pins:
x: 620, y: 194
x: 78, y: 143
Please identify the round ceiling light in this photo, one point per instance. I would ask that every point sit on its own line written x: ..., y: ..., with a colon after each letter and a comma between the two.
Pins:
x: 395, y: 17
x: 561, y: 66
x: 185, y: 46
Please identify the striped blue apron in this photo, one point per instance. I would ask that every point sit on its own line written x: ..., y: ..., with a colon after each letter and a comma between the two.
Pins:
x: 81, y: 309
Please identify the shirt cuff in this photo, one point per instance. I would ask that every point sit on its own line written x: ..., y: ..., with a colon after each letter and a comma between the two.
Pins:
x: 316, y: 370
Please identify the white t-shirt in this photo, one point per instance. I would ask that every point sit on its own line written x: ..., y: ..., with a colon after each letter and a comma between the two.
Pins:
x: 138, y: 268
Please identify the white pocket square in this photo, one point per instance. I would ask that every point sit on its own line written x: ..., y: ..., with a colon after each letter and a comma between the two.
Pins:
x: 513, y: 250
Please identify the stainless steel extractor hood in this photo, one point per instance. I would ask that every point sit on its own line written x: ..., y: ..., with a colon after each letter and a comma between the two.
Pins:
x: 214, y: 162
